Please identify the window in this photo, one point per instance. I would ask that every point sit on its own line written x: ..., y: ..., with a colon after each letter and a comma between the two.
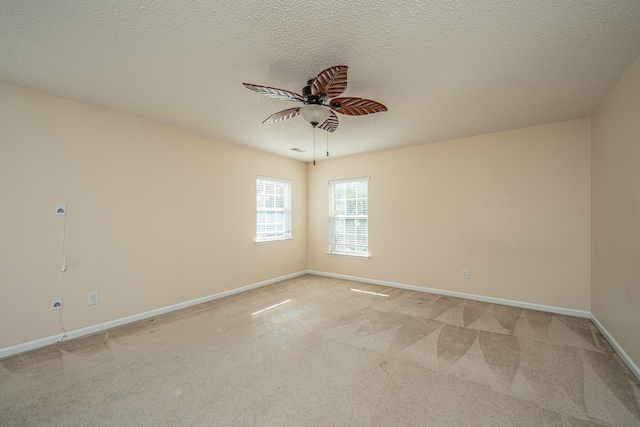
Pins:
x: 348, y: 217
x: 273, y: 209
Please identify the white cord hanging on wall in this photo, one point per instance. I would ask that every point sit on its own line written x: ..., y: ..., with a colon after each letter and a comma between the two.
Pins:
x: 64, y: 331
x: 61, y: 210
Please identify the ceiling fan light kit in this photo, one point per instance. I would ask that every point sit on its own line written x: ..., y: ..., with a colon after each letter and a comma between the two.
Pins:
x: 315, y: 114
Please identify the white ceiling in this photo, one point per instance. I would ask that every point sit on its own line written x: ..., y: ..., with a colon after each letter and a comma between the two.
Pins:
x: 444, y: 69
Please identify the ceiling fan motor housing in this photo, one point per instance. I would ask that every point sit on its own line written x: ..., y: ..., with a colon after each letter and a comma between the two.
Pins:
x: 309, y: 98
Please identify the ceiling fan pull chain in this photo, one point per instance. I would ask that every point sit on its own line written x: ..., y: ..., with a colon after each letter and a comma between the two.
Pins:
x: 314, y: 146
x: 327, y: 143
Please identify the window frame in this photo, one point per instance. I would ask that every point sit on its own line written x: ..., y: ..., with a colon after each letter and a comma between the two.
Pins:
x: 333, y: 243
x: 283, y: 233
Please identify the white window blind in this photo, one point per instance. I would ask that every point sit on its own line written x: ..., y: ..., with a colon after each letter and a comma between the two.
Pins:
x: 273, y: 209
x: 348, y: 217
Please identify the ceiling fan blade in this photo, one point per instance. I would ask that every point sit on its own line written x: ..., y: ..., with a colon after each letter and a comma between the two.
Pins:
x: 357, y: 106
x: 282, y: 115
x: 332, y: 81
x: 331, y: 124
x: 272, y: 92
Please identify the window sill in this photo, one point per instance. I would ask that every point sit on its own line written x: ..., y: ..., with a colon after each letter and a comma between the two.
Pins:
x: 345, y: 255
x: 269, y: 242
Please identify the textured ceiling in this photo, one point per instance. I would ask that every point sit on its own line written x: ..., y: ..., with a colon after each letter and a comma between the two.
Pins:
x: 444, y: 69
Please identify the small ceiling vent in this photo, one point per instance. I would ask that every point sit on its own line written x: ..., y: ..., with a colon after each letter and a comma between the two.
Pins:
x: 298, y: 150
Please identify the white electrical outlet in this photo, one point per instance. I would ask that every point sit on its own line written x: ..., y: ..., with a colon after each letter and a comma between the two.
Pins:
x: 465, y: 274
x: 61, y: 209
x: 299, y: 258
x: 92, y: 298
x: 56, y: 303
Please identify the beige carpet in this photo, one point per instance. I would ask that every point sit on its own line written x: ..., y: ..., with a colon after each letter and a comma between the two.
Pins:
x: 328, y: 355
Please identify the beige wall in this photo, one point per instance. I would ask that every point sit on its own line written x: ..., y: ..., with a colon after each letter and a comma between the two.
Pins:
x: 512, y: 207
x: 156, y: 215
x: 615, y: 232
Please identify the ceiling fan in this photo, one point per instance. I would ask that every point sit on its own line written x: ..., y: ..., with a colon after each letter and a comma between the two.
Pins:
x: 321, y: 100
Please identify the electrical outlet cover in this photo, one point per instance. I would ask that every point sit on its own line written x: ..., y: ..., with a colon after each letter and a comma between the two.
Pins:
x: 92, y: 298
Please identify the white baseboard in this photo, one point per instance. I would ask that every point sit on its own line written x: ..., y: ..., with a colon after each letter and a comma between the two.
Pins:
x: 551, y: 309
x: 32, y: 345
x: 519, y: 304
x: 623, y: 354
